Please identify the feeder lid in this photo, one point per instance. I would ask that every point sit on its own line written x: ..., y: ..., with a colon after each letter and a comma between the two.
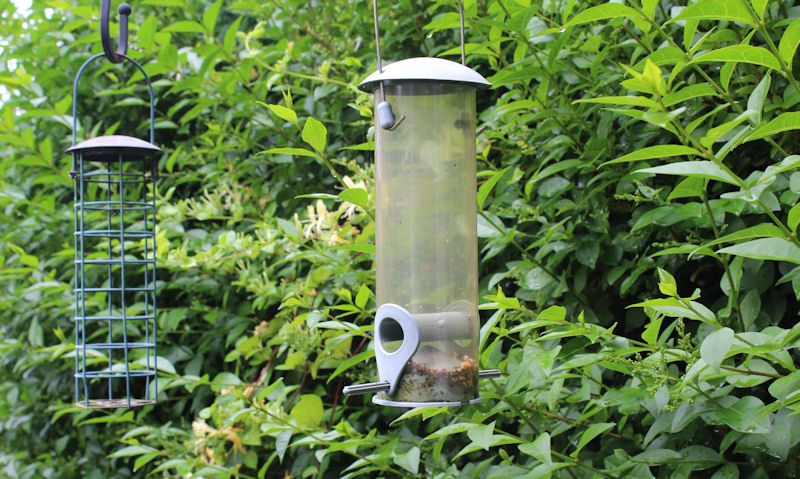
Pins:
x: 424, y: 69
x: 115, y: 144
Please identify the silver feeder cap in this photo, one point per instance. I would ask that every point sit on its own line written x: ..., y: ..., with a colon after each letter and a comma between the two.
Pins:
x: 424, y: 69
x: 114, y: 144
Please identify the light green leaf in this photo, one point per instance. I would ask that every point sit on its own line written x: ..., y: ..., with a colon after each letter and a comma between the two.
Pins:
x: 225, y: 379
x: 281, y: 111
x: 794, y: 217
x: 356, y: 196
x: 689, y: 92
x: 35, y: 334
x: 539, y: 448
x: 789, y: 42
x: 290, y: 151
x: 621, y: 100
x: 783, y: 122
x: 186, y: 26
x: 282, y: 443
x: 743, y: 415
x: 486, y: 188
x: 759, y: 6
x: 674, y: 308
x: 757, y: 98
x: 774, y: 249
x: 763, y: 230
x: 666, y: 283
x: 210, y: 16
x: 701, y: 169
x: 716, y: 346
x: 602, y: 12
x: 482, y: 435
x: 590, y: 433
x: 315, y: 134
x: 132, y: 451
x: 741, y: 54
x: 718, y: 132
x: 733, y: 10
x: 650, y: 152
x: 408, y: 460
x: 688, y: 188
x: 308, y: 411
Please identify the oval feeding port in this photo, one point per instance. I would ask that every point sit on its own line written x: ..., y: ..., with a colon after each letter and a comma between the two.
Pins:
x: 390, y: 335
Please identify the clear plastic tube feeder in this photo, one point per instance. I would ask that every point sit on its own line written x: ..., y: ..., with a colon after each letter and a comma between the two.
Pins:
x: 427, y: 323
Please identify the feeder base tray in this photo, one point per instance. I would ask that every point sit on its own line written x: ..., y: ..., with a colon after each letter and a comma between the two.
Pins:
x: 113, y: 403
x: 411, y: 404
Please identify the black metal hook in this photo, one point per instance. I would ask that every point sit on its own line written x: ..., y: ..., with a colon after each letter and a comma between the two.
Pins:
x: 105, y: 37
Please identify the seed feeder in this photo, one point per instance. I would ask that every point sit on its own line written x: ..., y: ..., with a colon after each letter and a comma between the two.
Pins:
x: 115, y: 267
x: 427, y: 323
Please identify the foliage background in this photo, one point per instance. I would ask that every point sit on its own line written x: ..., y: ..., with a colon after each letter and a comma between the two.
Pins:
x: 613, y: 367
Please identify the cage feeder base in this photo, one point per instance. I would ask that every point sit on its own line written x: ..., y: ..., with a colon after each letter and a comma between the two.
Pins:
x: 113, y: 403
x: 412, y: 404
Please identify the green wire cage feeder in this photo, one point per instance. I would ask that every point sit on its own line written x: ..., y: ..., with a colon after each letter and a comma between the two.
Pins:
x: 115, y: 265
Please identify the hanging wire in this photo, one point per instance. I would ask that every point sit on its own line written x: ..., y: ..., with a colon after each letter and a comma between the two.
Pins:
x: 461, y: 18
x: 378, y: 36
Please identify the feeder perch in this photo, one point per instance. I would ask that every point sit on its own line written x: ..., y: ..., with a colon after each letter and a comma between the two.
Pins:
x: 427, y: 324
x: 115, y: 265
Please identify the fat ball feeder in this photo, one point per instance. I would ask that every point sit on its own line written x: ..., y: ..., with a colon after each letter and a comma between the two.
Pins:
x: 427, y: 324
x: 115, y: 266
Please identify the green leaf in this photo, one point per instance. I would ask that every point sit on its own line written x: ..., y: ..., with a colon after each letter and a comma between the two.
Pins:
x: 781, y: 123
x: 675, y: 308
x: 132, y: 451
x: 590, y: 433
x: 774, y: 249
x: 282, y: 443
x: 650, y: 152
x: 602, y: 12
x: 789, y: 42
x: 755, y: 103
x: 186, y: 26
x: 359, y: 358
x: 308, y: 411
x: 700, y: 169
x: 210, y: 16
x: 652, y: 330
x: 687, y: 93
x: 741, y: 54
x: 315, y: 134
x: 225, y: 380
x: 741, y: 415
x: 688, y: 188
x: 733, y: 10
x: 794, y: 217
x: 666, y: 283
x: 718, y: 132
x: 408, y: 460
x: 488, y: 186
x: 482, y: 435
x: 356, y: 196
x: 621, y: 100
x: 764, y: 230
x: 282, y: 112
x: 716, y: 346
x: 35, y: 334
x: 539, y: 448
x: 290, y: 151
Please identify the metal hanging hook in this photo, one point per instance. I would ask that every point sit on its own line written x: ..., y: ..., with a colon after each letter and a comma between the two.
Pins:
x: 105, y: 37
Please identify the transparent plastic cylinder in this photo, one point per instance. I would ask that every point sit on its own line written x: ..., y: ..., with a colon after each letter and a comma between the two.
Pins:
x: 427, y: 253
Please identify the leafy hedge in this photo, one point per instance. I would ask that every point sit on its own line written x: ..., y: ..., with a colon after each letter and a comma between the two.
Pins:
x: 639, y: 253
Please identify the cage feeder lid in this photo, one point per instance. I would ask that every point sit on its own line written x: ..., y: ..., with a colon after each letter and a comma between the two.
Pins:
x: 424, y: 69
x: 114, y: 144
